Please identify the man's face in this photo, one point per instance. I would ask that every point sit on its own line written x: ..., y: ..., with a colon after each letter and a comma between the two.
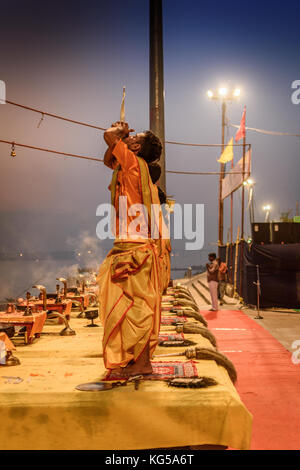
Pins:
x: 134, y: 142
x: 211, y: 258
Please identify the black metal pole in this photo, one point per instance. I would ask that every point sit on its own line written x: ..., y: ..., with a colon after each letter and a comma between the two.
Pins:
x: 156, y: 78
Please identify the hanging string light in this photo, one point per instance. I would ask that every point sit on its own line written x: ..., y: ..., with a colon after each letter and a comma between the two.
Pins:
x: 13, y: 151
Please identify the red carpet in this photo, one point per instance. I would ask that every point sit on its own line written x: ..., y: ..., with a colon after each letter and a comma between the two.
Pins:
x: 268, y: 382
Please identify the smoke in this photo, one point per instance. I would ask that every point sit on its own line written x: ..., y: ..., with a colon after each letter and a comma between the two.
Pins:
x: 19, y: 275
x: 87, y: 250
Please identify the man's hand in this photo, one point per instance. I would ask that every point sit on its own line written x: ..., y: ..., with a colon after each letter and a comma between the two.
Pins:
x: 118, y: 130
x: 123, y: 127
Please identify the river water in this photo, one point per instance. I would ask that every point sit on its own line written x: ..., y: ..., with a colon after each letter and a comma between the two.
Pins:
x: 18, y: 276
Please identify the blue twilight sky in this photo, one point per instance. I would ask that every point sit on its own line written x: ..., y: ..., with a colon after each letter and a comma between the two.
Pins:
x: 73, y: 57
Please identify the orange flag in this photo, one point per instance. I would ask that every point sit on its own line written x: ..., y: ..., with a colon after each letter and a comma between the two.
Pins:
x: 241, y: 133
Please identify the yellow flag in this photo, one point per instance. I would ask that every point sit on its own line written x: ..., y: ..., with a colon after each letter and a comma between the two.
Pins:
x: 122, y: 112
x: 227, y: 154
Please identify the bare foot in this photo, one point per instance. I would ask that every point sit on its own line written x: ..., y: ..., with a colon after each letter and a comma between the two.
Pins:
x: 140, y: 367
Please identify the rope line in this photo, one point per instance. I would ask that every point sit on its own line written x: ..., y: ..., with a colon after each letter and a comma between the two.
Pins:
x: 203, y: 172
x: 56, y: 116
x: 203, y: 145
x: 17, y: 144
x: 262, y: 131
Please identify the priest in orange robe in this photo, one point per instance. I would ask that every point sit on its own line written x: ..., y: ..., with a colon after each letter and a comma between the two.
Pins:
x: 129, y: 277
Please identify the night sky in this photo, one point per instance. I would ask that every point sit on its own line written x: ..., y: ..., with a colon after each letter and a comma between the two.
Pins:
x: 72, y: 58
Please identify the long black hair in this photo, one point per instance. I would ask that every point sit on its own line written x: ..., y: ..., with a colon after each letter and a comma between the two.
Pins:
x: 151, y: 147
x: 155, y: 171
x: 162, y: 195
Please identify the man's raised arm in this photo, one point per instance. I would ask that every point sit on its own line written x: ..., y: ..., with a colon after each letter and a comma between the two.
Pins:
x: 109, y: 158
x: 112, y: 135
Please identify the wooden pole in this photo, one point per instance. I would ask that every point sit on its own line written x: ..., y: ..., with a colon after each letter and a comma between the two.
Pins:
x: 227, y: 250
x: 252, y: 206
x: 230, y: 268
x: 231, y: 212
x: 231, y: 230
x: 156, y: 81
x: 236, y: 262
x: 243, y: 191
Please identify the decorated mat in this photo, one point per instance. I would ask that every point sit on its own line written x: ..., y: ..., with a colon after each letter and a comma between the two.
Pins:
x: 165, y: 371
x: 168, y: 370
x: 172, y: 320
x: 166, y: 308
x: 166, y: 337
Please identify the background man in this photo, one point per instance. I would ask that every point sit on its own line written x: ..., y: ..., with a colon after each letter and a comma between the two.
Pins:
x: 212, y: 269
x: 223, y: 274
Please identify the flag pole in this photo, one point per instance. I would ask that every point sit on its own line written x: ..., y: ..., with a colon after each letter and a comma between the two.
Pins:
x: 231, y: 230
x: 231, y: 211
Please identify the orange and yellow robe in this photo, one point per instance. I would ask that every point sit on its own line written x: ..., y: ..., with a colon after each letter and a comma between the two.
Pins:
x: 164, y: 250
x: 129, y: 278
x: 165, y: 263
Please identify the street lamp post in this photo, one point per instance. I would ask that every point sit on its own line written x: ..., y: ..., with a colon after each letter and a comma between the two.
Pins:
x: 224, y: 95
x: 267, y: 209
x: 222, y: 174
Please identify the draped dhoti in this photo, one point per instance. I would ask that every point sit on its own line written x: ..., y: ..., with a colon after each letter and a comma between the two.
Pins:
x: 130, y: 300
x: 165, y: 264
